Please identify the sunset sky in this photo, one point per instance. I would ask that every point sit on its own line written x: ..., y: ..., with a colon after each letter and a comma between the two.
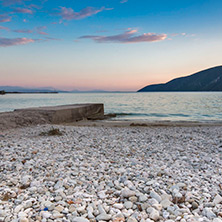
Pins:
x: 106, y: 44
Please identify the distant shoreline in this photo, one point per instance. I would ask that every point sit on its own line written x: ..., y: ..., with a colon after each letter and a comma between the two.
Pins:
x: 4, y: 93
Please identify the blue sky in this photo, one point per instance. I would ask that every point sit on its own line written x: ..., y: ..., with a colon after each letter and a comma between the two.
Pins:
x: 106, y: 44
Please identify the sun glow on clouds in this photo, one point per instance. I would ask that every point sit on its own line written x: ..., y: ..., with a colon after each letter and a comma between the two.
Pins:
x: 27, y: 31
x: 4, y: 28
x: 11, y: 2
x: 5, y: 42
x: 70, y: 14
x: 5, y: 18
x: 127, y: 37
x: 23, y: 10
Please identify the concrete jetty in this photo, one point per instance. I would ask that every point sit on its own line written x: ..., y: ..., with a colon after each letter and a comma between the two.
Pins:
x: 51, y: 114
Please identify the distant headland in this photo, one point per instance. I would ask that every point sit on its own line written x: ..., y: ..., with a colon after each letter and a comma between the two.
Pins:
x: 206, y: 80
x: 18, y: 90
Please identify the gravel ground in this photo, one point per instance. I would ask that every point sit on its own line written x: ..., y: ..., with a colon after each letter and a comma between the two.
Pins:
x: 111, y: 174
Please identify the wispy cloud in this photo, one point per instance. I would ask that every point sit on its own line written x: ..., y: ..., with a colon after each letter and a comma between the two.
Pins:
x: 5, y: 18
x: 178, y: 34
x: 6, y: 42
x: 70, y: 14
x: 23, y: 10
x: 12, y: 2
x: 7, y: 3
x: 127, y: 37
x: 27, y: 31
x: 35, y: 6
x: 123, y: 1
x: 40, y: 30
x: 4, y: 28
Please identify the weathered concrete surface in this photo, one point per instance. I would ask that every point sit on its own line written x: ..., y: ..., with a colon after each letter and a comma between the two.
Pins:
x: 50, y: 114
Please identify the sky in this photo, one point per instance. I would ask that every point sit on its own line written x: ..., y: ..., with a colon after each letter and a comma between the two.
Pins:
x: 106, y: 44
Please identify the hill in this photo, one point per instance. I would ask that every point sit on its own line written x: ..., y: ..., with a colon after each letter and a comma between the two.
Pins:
x: 206, y: 80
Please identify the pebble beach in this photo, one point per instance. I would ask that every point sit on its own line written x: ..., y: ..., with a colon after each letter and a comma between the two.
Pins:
x: 116, y: 174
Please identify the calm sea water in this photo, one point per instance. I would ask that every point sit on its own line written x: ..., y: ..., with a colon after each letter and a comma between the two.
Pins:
x: 152, y: 106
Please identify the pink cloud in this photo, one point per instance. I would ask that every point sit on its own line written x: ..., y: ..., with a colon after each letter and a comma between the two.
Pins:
x: 11, y: 2
x: 5, y: 18
x: 5, y: 42
x: 4, y: 28
x: 23, y: 10
x: 127, y: 37
x: 37, y: 30
x: 70, y: 14
x: 123, y: 1
x: 40, y: 30
x: 28, y: 31
x: 34, y: 6
x: 178, y: 34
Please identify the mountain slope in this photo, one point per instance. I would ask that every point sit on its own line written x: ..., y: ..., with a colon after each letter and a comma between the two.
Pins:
x: 206, y: 80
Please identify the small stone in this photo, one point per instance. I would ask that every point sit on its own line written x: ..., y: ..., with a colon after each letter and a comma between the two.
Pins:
x: 72, y: 208
x: 132, y: 219
x: 81, y: 209
x: 142, y: 198
x: 80, y: 219
x: 101, y: 209
x: 157, y: 206
x: 58, y: 198
x: 156, y: 196
x: 153, y: 214
x: 57, y: 215
x: 217, y: 220
x: 166, y: 203
x: 166, y: 214
x: 217, y: 199
x: 127, y: 193
x: 22, y: 214
x: 90, y: 215
x: 194, y: 205
x: 118, y: 206
x: 46, y: 214
x: 128, y: 204
x: 18, y: 208
x: 23, y: 219
x: 133, y: 199
x: 119, y: 219
x: 208, y: 213
x: 102, y: 194
x: 48, y: 204
x: 25, y: 181
x: 28, y: 204
x: 103, y: 217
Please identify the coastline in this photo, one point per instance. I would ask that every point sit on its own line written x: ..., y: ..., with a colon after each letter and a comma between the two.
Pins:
x: 145, y: 123
x: 41, y: 115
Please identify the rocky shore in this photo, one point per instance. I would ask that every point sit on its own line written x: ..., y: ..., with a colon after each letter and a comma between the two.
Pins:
x: 111, y: 174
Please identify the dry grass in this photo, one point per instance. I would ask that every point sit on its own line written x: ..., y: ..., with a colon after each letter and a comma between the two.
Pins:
x: 52, y: 132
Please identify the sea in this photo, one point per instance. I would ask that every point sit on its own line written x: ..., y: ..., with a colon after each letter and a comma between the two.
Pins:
x: 148, y: 106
